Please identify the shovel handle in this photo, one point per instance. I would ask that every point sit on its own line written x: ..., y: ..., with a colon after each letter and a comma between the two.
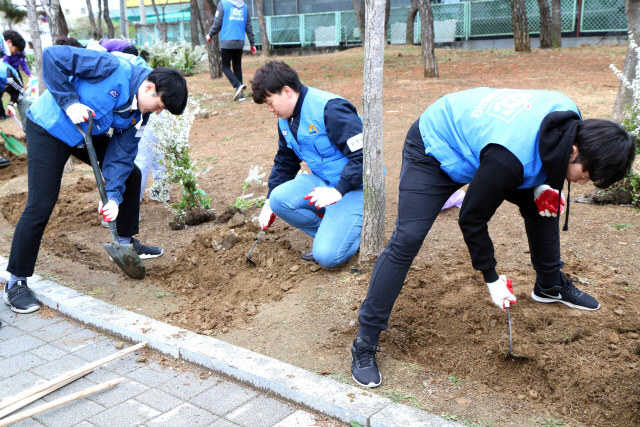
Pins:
x: 93, y: 159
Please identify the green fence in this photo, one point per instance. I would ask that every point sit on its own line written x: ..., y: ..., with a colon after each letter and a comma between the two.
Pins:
x: 483, y: 18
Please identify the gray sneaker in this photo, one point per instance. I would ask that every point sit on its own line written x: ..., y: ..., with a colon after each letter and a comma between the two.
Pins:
x: 20, y: 298
x: 239, y: 91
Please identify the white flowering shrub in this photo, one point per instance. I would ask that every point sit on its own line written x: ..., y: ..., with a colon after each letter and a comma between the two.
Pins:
x: 244, y: 201
x: 182, y: 56
x: 173, y: 142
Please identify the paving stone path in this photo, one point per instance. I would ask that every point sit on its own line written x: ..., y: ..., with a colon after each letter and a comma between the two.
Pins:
x: 157, y: 392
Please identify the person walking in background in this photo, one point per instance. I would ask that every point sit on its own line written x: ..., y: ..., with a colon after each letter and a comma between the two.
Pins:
x: 232, y: 21
x: 14, y: 56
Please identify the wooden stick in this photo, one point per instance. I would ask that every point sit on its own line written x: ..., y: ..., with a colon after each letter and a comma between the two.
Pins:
x: 66, y: 399
x: 85, y: 369
x: 24, y: 402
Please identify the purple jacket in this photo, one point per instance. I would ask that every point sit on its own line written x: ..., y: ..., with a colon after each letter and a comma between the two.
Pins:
x: 115, y: 45
x: 17, y: 60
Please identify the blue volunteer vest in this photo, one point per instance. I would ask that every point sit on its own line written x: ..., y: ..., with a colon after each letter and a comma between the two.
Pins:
x: 3, y: 73
x: 313, y: 146
x: 234, y: 21
x: 103, y: 98
x: 458, y: 126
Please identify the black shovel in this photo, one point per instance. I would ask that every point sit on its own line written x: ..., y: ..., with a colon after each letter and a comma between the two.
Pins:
x: 125, y: 256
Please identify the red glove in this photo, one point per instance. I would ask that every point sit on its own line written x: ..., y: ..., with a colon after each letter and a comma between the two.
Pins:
x: 253, y: 50
x: 546, y: 199
x: 208, y: 38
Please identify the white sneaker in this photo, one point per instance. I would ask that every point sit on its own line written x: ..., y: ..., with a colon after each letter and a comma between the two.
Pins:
x: 238, y: 94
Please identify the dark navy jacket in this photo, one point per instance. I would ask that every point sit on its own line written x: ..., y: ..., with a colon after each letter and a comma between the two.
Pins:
x: 342, y: 122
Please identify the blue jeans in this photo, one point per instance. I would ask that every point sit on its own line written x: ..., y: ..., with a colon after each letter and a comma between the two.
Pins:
x: 149, y: 161
x: 337, y: 235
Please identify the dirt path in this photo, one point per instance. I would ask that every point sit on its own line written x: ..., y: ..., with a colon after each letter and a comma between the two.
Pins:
x: 445, y: 350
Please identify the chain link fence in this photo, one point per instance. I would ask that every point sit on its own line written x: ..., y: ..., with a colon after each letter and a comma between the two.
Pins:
x: 482, y: 18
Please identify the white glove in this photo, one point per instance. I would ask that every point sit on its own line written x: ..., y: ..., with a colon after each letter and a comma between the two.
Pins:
x: 208, y: 38
x: 109, y: 211
x: 500, y: 293
x: 267, y: 216
x: 79, y: 113
x: 11, y: 111
x: 323, y: 196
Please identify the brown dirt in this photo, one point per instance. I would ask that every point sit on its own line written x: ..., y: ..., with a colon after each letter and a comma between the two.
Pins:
x: 446, y: 347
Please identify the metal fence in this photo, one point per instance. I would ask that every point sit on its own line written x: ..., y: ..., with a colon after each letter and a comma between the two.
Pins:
x: 482, y: 18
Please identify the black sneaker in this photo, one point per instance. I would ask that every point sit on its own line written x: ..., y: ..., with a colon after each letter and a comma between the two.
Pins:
x: 567, y: 294
x: 308, y: 256
x: 364, y: 368
x: 20, y: 298
x: 239, y: 91
x: 146, y: 252
x: 4, y: 162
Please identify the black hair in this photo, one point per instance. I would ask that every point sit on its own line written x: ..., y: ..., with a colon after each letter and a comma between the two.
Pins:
x: 131, y: 50
x: 144, y: 55
x: 605, y: 150
x: 171, y: 87
x: 271, y: 78
x: 16, y: 39
x: 68, y: 41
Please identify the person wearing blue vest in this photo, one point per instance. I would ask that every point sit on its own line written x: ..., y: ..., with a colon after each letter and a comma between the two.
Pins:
x: 119, y: 95
x: 325, y: 131
x: 513, y: 145
x: 11, y: 83
x: 232, y: 21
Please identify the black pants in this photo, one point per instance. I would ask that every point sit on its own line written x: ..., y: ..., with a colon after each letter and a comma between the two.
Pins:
x: 424, y: 189
x: 46, y: 158
x: 232, y: 56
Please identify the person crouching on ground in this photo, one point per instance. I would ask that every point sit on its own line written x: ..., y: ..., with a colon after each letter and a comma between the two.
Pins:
x: 513, y: 145
x: 325, y: 131
x: 119, y: 95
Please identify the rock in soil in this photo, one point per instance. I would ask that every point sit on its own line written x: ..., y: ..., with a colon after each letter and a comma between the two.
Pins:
x: 237, y: 221
x: 315, y: 267
x: 141, y: 359
x: 119, y: 345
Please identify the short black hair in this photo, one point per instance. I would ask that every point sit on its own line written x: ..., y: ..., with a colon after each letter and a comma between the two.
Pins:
x: 131, y: 50
x: 68, y: 41
x: 271, y: 78
x: 172, y: 88
x: 16, y: 39
x: 605, y: 150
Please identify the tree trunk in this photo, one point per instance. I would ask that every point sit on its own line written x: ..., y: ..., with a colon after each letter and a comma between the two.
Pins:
x: 266, y: 52
x: 123, y: 19
x: 143, y: 16
x: 110, y: 30
x: 427, y: 39
x: 373, y: 233
x: 215, y: 63
x: 625, y: 95
x: 62, y: 23
x: 545, y: 24
x: 360, y: 13
x: 52, y: 10
x: 163, y: 28
x: 99, y: 21
x: 521, y: 39
x: 195, y: 17
x: 34, y: 29
x: 556, y: 24
x: 411, y: 17
x: 387, y: 13
x: 92, y: 21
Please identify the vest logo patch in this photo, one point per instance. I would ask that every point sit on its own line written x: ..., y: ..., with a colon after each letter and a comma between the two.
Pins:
x: 509, y: 105
x: 355, y: 142
x: 114, y: 93
x: 133, y: 121
x: 284, y: 132
x: 237, y: 14
x: 313, y: 129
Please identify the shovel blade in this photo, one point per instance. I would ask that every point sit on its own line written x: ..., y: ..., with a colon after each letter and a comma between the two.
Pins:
x: 14, y: 146
x: 127, y: 259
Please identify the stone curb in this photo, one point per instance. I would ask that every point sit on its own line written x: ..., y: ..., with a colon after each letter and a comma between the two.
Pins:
x: 316, y: 392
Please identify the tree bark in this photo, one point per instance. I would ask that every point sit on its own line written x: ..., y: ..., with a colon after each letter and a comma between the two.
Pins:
x: 34, y: 29
x: 163, y: 28
x: 266, y: 51
x: 92, y: 21
x: 521, y: 39
x: 360, y: 13
x: 625, y: 95
x: 110, y: 30
x: 123, y: 19
x: 387, y: 13
x: 62, y: 23
x: 373, y: 230
x: 52, y: 11
x: 556, y: 24
x: 99, y: 21
x: 215, y: 62
x: 195, y: 17
x: 545, y: 24
x: 411, y: 17
x: 427, y: 39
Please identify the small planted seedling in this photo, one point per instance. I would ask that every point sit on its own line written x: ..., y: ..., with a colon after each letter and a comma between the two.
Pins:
x: 164, y: 294
x: 622, y: 227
